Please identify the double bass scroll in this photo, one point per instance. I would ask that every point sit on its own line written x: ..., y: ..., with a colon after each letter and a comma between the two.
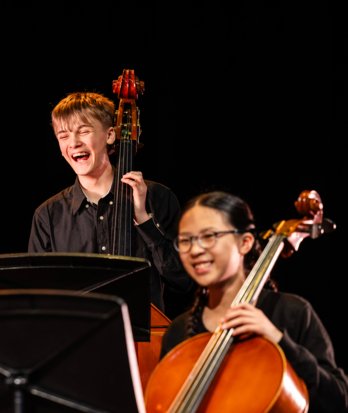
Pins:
x: 128, y: 87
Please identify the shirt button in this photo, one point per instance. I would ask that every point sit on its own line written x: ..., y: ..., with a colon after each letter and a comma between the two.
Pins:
x: 111, y: 203
x: 157, y: 225
x: 103, y: 248
x: 101, y: 217
x: 87, y: 205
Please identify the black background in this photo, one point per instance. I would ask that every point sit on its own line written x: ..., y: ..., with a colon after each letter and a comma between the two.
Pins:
x: 245, y: 96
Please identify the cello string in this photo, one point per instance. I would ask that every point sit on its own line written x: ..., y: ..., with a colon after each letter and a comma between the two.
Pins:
x: 203, y: 372
x: 256, y: 279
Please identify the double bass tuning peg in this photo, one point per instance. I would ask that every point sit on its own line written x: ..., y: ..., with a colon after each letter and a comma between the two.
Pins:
x: 127, y: 85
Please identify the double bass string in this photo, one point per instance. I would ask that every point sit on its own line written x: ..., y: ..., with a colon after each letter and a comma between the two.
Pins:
x: 123, y: 202
x: 127, y: 128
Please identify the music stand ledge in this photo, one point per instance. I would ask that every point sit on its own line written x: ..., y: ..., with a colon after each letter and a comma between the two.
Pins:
x: 125, y: 277
x: 64, y: 352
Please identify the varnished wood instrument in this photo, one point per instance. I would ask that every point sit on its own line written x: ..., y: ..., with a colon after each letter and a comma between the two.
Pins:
x: 128, y: 87
x: 127, y: 128
x: 213, y: 372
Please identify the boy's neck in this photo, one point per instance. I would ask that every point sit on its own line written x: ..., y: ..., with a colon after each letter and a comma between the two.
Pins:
x: 96, y: 188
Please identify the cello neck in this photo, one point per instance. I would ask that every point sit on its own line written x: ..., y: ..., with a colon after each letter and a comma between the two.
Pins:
x: 258, y: 276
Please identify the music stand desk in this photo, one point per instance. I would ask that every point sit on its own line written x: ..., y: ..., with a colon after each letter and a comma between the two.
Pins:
x: 125, y: 277
x: 64, y: 352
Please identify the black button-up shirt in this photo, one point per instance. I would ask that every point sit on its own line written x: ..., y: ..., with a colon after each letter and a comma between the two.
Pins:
x: 67, y: 222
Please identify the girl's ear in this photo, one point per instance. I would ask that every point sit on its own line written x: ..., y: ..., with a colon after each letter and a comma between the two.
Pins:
x: 247, y: 242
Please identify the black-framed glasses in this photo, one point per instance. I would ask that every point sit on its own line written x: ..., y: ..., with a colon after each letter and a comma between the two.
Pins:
x: 206, y: 240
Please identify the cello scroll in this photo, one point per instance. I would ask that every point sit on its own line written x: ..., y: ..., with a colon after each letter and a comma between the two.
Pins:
x: 313, y: 224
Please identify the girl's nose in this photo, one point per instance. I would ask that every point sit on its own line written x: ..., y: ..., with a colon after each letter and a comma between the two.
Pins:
x: 196, y: 246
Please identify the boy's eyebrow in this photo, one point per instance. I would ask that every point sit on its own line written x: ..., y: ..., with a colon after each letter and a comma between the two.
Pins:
x: 66, y: 127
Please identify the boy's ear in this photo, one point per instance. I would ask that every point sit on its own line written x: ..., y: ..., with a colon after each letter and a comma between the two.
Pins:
x: 111, y: 136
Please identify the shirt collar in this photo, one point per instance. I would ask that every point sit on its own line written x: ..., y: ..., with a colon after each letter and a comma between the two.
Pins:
x: 79, y: 198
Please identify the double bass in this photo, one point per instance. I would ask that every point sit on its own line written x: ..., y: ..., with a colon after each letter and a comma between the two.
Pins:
x: 127, y: 130
x: 128, y: 87
x: 212, y: 373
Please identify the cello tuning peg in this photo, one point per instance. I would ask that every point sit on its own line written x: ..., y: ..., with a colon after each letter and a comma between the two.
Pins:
x: 327, y: 226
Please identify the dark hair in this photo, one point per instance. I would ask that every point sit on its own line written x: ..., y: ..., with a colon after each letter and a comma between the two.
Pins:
x: 238, y: 214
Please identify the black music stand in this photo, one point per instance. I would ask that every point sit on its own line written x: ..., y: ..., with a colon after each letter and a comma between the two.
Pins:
x: 64, y: 352
x: 125, y: 277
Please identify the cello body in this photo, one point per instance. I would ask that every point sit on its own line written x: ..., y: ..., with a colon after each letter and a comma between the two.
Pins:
x: 255, y: 377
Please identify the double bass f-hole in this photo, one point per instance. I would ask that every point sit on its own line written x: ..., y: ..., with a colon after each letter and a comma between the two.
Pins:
x: 127, y: 129
x: 215, y: 373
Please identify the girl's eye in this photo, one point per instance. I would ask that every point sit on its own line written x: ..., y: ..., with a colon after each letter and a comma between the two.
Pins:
x: 207, y: 237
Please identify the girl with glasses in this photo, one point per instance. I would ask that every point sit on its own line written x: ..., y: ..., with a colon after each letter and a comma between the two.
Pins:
x: 218, y: 249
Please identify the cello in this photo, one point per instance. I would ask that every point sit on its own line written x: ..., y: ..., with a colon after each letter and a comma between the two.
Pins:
x: 211, y: 373
x: 128, y: 87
